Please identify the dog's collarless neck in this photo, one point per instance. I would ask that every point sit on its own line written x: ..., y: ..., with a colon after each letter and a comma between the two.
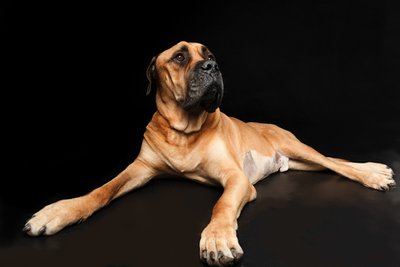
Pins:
x: 180, y: 119
x: 192, y: 124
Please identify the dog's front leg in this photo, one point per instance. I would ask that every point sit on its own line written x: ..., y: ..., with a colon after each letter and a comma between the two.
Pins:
x: 219, y: 244
x: 54, y: 217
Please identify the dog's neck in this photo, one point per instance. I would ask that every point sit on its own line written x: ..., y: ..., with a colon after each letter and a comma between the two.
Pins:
x: 178, y: 118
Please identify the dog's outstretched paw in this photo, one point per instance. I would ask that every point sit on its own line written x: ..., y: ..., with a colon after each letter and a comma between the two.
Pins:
x: 375, y: 175
x: 219, y: 245
x: 54, y: 217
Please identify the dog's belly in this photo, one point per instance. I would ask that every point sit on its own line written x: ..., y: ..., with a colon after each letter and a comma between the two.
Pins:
x: 257, y: 166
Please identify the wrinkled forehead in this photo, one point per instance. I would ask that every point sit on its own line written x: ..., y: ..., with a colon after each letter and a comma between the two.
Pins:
x: 196, y: 50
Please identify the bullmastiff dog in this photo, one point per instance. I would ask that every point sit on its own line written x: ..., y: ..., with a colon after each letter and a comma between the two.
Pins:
x: 190, y: 136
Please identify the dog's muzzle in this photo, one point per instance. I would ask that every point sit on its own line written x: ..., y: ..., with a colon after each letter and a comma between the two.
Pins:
x: 205, y: 87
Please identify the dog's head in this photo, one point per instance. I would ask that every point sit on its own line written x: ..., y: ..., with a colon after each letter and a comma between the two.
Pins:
x: 188, y: 74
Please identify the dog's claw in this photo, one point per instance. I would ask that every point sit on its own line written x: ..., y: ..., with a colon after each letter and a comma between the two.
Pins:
x: 233, y: 251
x: 212, y: 256
x: 27, y: 228
x: 204, y: 255
x: 236, y: 254
x: 42, y: 230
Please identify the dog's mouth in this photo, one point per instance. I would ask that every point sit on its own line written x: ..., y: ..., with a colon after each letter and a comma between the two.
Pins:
x: 205, y: 91
x: 211, y: 99
x: 208, y: 97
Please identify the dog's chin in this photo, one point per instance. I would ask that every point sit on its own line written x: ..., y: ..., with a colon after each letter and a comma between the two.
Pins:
x: 209, y: 101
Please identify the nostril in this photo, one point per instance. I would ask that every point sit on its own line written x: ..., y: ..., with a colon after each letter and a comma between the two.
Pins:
x: 206, y: 66
x: 209, y: 66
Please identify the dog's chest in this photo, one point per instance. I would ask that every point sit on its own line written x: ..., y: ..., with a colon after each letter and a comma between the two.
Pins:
x: 185, y: 162
x: 180, y: 156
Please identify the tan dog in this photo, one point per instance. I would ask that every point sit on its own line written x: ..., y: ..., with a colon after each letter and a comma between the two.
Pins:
x: 188, y: 135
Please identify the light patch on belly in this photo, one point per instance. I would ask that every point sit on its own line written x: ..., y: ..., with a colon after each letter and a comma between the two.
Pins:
x: 257, y: 166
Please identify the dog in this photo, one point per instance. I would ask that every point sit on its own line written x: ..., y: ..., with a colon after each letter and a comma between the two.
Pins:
x: 190, y: 136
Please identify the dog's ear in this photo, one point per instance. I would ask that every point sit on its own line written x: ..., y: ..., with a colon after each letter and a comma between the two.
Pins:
x: 151, y: 75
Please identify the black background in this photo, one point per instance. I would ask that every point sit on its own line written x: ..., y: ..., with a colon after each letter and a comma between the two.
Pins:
x: 74, y: 102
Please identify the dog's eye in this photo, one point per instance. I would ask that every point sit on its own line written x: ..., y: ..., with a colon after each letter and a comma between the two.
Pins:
x: 211, y: 57
x: 179, y: 57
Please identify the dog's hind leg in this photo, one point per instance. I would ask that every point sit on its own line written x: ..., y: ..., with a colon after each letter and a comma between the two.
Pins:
x: 299, y: 165
x: 302, y: 165
x: 375, y: 175
x: 54, y: 217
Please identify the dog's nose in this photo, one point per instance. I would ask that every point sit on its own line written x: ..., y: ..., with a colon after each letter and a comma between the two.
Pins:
x: 209, y: 66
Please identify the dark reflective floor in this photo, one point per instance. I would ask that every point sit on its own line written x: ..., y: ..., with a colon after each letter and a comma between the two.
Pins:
x: 298, y: 219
